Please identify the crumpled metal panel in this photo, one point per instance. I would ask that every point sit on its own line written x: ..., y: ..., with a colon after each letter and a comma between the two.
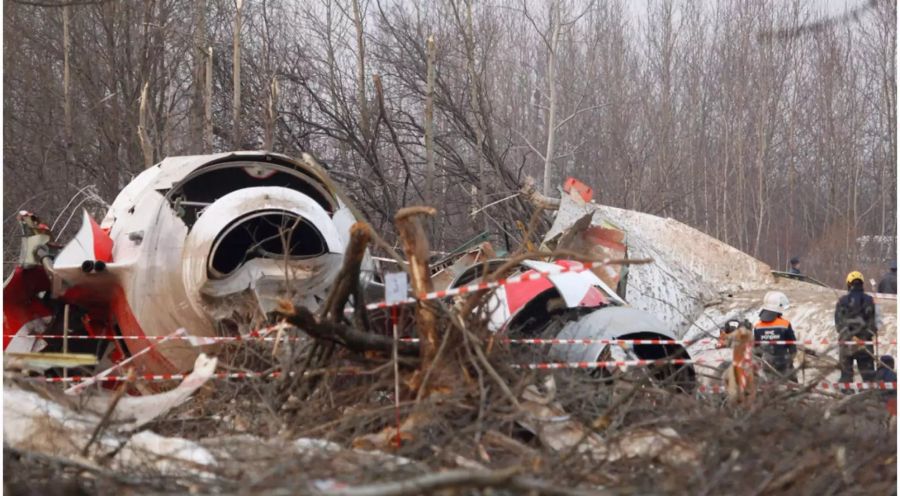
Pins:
x: 689, y: 268
x: 605, y: 323
x: 174, y: 169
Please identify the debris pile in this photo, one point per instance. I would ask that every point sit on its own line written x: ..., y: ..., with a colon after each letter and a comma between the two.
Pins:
x: 429, y: 378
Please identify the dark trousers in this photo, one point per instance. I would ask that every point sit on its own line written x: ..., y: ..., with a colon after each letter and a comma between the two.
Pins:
x: 865, y: 362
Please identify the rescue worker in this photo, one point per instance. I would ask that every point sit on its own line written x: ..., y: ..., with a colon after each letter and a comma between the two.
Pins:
x: 888, y: 283
x: 772, y: 326
x: 728, y: 329
x: 855, y: 320
x: 795, y: 269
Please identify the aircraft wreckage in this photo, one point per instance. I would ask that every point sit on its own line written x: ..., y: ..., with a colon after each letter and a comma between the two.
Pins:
x: 209, y: 243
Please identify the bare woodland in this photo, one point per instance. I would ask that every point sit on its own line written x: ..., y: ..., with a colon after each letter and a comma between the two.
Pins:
x: 778, y: 144
x: 760, y: 122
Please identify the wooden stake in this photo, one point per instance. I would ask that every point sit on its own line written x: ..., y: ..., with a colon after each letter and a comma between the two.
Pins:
x: 398, y: 440
x: 66, y: 336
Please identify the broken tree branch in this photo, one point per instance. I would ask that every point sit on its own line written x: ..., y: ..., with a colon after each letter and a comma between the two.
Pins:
x: 146, y: 146
x: 456, y: 479
x: 109, y: 411
x: 344, y: 335
x: 347, y: 280
x: 530, y: 192
x: 415, y: 245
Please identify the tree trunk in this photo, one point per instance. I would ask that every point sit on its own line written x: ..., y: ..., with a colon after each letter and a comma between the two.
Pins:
x: 479, y: 124
x: 271, y: 115
x: 207, y: 111
x: 415, y: 246
x: 236, y: 75
x: 146, y: 145
x: 196, y: 116
x: 364, y: 122
x: 551, y: 111
x: 67, y: 97
x: 429, y: 123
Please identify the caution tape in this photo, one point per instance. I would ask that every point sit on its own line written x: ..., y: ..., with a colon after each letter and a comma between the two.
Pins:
x: 80, y: 387
x: 261, y: 334
x: 836, y: 386
x: 685, y: 342
x: 198, y: 339
x: 625, y: 363
x: 180, y: 377
x: 609, y: 363
x: 858, y: 386
x: 701, y: 388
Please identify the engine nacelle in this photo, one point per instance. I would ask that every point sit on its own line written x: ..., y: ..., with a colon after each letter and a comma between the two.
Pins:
x: 207, y: 243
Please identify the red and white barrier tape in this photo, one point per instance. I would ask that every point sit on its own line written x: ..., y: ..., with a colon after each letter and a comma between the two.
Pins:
x: 837, y: 386
x: 684, y: 342
x: 201, y: 340
x: 623, y: 363
x: 609, y: 363
x: 701, y: 388
x: 77, y: 389
x: 261, y: 334
x: 179, y: 377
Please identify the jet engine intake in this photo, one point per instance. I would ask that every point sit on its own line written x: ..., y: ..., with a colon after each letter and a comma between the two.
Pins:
x: 271, y: 240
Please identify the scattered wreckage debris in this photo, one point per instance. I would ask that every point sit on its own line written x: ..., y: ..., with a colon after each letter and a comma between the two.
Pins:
x: 40, y: 362
x: 207, y: 243
x: 60, y: 428
x: 462, y: 410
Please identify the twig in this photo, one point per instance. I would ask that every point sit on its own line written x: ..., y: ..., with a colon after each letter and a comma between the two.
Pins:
x: 429, y: 483
x: 109, y: 411
x: 66, y: 462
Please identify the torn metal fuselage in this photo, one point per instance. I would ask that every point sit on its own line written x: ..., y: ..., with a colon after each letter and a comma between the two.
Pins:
x: 208, y: 243
x: 578, y: 305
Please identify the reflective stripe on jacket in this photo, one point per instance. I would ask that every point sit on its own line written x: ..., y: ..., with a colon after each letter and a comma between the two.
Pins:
x: 778, y: 329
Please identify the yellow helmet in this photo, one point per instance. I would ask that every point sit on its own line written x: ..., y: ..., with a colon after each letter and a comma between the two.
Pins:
x: 854, y: 276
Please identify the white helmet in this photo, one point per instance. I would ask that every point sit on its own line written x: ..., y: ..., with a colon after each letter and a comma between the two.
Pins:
x: 775, y: 301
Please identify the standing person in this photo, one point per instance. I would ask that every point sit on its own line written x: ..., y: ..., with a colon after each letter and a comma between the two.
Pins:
x: 773, y: 327
x: 854, y: 319
x: 740, y: 376
x: 795, y: 266
x: 888, y: 283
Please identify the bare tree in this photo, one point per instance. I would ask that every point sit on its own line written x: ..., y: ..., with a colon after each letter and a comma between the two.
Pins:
x: 769, y: 127
x: 236, y: 78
